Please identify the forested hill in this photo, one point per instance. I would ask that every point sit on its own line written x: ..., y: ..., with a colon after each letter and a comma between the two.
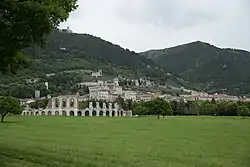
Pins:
x: 84, y: 45
x: 69, y: 51
x: 67, y: 55
x: 206, y: 66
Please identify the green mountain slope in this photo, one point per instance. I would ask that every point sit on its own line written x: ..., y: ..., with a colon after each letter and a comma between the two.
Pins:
x: 62, y: 46
x: 206, y: 66
x: 65, y: 52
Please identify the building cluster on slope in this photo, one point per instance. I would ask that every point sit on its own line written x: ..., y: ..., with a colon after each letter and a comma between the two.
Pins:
x: 109, y: 91
x: 205, y: 97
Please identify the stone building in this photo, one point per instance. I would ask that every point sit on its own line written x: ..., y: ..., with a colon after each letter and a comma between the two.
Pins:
x: 130, y: 95
x: 68, y: 106
x: 97, y: 74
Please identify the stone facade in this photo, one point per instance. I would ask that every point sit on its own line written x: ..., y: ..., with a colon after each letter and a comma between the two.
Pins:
x: 68, y: 106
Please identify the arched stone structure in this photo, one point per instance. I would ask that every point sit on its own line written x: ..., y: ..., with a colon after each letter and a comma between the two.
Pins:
x: 72, y: 113
x: 72, y: 103
x: 86, y: 113
x: 94, y: 113
x: 57, y: 103
x: 57, y: 113
x: 79, y: 113
x: 101, y: 113
x: 64, y: 113
x: 64, y: 103
x: 49, y: 113
x: 68, y: 106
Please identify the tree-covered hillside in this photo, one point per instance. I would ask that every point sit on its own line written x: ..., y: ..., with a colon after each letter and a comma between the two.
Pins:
x: 207, y: 67
x: 65, y: 52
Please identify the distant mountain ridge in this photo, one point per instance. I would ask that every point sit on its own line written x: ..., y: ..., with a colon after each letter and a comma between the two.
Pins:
x: 206, y: 66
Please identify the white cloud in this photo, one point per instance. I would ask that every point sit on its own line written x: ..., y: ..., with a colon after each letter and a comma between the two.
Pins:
x: 145, y: 24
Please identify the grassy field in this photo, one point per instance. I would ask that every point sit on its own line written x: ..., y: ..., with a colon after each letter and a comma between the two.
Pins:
x: 125, y: 142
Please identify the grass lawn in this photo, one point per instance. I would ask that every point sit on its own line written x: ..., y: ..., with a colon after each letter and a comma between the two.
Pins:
x: 125, y: 142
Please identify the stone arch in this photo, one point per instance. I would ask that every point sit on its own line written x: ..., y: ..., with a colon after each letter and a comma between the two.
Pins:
x: 121, y: 113
x: 72, y: 102
x: 72, y: 113
x: 94, y: 113
x: 57, y: 113
x: 64, y: 103
x: 31, y: 113
x: 79, y: 113
x: 94, y: 104
x: 101, y: 113
x: 49, y: 113
x: 113, y: 113
x: 57, y: 103
x: 28, y: 113
x: 43, y: 113
x: 24, y: 113
x: 107, y: 113
x: 64, y: 113
x: 37, y: 113
x: 86, y: 113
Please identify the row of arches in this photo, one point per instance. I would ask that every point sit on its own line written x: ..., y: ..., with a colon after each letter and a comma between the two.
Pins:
x: 64, y: 104
x: 73, y: 113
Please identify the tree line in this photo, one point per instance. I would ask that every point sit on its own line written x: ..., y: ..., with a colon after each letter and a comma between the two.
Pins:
x: 160, y: 107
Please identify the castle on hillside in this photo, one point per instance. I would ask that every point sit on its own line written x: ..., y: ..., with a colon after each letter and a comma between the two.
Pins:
x: 69, y: 106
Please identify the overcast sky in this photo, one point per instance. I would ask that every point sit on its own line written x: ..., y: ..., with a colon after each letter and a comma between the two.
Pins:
x: 142, y: 25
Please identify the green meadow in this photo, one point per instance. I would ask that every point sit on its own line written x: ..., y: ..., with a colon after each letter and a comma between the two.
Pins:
x: 125, y: 142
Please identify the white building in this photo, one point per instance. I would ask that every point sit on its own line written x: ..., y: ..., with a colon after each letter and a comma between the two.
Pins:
x: 37, y: 94
x: 97, y: 74
x: 145, y: 97
x: 137, y: 83
x: 47, y: 85
x: 88, y: 84
x: 50, y: 75
x: 118, y: 90
x: 148, y: 83
x: 108, y: 93
x: 99, y: 93
x: 130, y: 95
x: 34, y: 80
x: 116, y: 81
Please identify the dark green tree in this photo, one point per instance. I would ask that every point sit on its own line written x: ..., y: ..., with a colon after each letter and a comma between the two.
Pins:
x: 213, y: 101
x: 193, y: 108
x: 243, y: 111
x: 174, y: 106
x: 9, y: 105
x: 121, y: 102
x: 182, y: 107
x: 159, y: 107
x: 208, y: 108
x: 140, y: 110
x: 27, y: 22
x: 129, y: 104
